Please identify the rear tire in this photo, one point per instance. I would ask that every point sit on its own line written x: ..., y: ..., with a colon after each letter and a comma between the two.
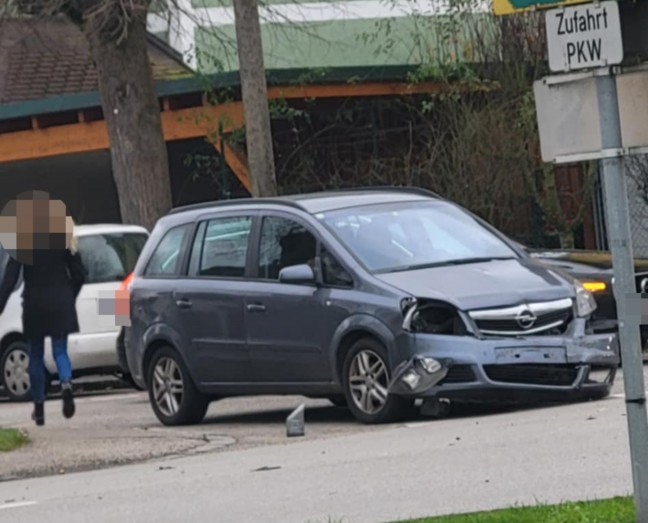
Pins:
x: 173, y: 395
x: 365, y: 377
x: 14, y: 365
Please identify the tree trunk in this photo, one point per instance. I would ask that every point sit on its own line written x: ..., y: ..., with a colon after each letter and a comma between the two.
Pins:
x: 254, y: 93
x: 566, y: 239
x: 131, y: 109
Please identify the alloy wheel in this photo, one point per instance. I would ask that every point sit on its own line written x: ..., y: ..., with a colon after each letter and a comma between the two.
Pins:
x: 168, y: 386
x: 368, y: 381
x: 16, y: 372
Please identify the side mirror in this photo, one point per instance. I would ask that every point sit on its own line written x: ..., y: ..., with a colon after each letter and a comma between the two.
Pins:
x: 297, y: 274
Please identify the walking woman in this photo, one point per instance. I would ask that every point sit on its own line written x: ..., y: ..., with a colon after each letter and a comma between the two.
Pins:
x: 45, y: 251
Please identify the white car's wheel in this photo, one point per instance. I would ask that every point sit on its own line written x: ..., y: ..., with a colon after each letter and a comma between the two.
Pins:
x: 15, y: 371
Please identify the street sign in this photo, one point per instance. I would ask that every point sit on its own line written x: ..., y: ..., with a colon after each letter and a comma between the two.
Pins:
x: 567, y: 108
x: 509, y: 7
x: 633, y: 107
x: 568, y: 119
x: 584, y: 36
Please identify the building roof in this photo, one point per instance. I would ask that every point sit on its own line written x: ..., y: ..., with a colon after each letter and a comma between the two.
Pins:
x: 227, y: 81
x: 44, y: 58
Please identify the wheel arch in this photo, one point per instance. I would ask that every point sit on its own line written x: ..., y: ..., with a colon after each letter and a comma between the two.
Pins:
x: 151, y: 348
x: 353, y: 329
x: 10, y: 338
x: 153, y: 338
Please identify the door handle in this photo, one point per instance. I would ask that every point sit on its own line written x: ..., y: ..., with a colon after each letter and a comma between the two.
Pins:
x: 184, y: 304
x: 256, y: 307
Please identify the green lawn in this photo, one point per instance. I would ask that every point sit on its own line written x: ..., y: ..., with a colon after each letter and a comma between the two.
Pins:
x: 615, y: 510
x: 11, y: 439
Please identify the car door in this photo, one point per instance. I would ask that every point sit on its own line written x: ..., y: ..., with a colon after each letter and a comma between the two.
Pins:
x: 107, y: 259
x: 210, y: 300
x: 285, y: 321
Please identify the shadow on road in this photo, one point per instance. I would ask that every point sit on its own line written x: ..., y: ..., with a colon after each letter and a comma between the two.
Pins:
x: 331, y: 414
x: 85, y: 389
x: 317, y: 414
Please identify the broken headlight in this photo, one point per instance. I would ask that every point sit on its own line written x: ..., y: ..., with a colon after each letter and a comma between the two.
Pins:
x: 431, y: 317
x: 585, y: 302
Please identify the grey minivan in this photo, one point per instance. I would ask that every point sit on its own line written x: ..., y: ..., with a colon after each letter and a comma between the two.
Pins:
x: 372, y: 298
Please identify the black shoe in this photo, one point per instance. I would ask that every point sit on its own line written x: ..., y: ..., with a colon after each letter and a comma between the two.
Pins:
x: 39, y: 413
x: 68, y: 400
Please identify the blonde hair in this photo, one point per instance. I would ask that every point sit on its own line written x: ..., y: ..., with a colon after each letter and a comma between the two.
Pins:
x: 73, y: 247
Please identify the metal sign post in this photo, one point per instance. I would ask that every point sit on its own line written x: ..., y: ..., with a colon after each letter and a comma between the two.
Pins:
x: 619, y: 238
x: 568, y: 108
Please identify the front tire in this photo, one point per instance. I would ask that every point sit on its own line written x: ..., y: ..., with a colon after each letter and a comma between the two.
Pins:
x: 366, y: 378
x: 15, y: 371
x: 173, y: 395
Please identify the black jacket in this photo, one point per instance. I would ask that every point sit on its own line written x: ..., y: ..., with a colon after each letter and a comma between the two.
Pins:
x: 49, y: 296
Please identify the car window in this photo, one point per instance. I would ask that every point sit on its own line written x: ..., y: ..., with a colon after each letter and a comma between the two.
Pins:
x: 332, y: 271
x: 220, y: 248
x: 196, y: 250
x: 165, y: 260
x: 405, y: 236
x: 284, y: 242
x: 110, y: 257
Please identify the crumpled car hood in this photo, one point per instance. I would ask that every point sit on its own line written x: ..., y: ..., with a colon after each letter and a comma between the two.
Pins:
x: 498, y: 283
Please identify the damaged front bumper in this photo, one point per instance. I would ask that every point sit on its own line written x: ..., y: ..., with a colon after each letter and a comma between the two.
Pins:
x: 471, y: 369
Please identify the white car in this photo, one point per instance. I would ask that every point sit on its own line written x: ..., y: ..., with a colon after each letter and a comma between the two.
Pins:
x: 109, y: 254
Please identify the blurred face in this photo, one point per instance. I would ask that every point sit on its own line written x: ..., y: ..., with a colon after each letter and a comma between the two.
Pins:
x: 33, y: 224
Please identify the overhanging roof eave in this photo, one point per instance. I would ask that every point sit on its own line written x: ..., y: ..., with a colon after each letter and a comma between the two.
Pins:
x: 198, y: 84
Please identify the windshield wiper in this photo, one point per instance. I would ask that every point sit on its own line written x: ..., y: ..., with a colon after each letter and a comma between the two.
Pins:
x: 459, y: 261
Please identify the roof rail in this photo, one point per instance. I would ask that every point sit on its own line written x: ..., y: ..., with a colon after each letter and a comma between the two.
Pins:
x: 295, y: 203
x: 394, y: 188
x: 232, y: 202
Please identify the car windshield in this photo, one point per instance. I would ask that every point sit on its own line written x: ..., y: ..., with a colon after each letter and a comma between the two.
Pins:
x: 407, y: 236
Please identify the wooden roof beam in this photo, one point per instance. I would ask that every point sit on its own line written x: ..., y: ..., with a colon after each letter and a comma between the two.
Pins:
x: 93, y: 136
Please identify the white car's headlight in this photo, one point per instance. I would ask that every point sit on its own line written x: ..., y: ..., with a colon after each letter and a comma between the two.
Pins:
x: 585, y: 302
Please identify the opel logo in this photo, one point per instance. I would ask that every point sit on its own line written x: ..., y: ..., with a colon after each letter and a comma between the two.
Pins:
x: 526, y: 319
x: 643, y: 286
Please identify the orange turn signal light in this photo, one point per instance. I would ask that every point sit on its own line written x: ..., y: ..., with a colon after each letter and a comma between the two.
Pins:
x: 595, y: 286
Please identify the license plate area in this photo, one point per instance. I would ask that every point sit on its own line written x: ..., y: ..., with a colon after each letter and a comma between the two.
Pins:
x: 531, y: 355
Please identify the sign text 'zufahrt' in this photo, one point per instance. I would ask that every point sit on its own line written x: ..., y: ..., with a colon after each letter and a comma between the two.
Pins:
x: 584, y: 36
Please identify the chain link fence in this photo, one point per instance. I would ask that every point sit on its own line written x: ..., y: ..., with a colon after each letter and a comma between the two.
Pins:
x: 636, y: 168
x: 637, y: 180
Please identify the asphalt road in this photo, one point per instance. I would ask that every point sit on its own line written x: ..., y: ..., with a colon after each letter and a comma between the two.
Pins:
x: 119, y: 428
x: 342, y: 471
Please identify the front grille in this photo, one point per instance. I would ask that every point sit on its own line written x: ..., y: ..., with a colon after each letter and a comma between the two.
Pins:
x: 548, y: 320
x: 558, y: 375
x: 526, y: 319
x: 459, y: 374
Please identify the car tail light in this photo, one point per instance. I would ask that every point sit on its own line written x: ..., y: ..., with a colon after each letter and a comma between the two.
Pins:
x: 126, y: 284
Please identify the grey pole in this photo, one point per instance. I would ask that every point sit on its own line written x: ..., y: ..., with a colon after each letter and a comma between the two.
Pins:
x: 620, y: 241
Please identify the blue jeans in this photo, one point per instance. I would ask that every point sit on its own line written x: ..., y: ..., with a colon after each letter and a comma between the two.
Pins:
x: 37, y: 365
